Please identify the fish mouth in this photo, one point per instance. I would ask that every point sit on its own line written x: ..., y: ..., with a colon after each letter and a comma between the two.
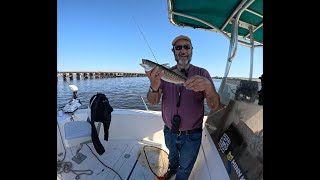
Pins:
x: 144, y: 61
x: 146, y: 66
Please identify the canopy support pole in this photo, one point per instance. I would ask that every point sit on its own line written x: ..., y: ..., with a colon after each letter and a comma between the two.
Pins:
x: 252, y: 52
x: 233, y: 45
x: 231, y: 54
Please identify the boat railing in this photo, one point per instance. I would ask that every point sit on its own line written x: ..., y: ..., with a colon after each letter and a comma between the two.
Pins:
x: 145, y: 105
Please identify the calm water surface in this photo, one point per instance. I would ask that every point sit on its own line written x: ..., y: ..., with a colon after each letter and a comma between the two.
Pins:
x: 123, y: 93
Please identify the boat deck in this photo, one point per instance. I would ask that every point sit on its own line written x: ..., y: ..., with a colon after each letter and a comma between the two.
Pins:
x: 135, y: 150
x: 125, y: 156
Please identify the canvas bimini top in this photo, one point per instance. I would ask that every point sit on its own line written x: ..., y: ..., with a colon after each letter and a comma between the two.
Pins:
x: 219, y: 15
x: 241, y: 21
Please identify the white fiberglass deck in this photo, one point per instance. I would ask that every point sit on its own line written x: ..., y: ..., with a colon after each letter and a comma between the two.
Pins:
x: 133, y: 135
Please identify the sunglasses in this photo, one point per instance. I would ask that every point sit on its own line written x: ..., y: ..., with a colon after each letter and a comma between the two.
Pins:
x: 185, y: 46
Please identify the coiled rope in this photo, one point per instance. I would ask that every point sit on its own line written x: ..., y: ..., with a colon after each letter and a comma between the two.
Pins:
x: 66, y: 166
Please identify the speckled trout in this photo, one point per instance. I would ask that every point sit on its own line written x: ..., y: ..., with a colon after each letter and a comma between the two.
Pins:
x: 172, y: 76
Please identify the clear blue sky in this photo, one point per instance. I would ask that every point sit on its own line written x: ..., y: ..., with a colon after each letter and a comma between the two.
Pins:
x: 103, y: 35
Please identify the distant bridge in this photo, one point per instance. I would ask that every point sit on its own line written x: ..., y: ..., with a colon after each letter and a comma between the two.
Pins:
x: 99, y: 74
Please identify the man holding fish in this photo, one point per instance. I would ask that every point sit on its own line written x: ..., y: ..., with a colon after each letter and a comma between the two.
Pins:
x: 183, y: 89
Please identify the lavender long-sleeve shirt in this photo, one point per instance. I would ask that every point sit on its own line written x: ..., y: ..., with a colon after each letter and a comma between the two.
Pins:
x: 191, y: 109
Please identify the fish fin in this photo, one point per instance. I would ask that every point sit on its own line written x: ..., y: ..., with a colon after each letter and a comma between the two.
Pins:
x: 180, y: 73
x: 166, y: 65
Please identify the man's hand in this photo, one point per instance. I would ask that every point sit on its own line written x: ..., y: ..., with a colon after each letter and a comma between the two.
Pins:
x: 154, y: 76
x: 198, y: 83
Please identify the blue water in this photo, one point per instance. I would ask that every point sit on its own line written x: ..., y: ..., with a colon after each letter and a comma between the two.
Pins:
x: 122, y: 92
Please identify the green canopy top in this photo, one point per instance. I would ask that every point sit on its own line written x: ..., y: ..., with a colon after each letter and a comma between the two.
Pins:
x: 218, y: 15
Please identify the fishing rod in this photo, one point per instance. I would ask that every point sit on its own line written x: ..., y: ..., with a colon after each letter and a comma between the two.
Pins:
x: 145, y: 40
x: 151, y: 52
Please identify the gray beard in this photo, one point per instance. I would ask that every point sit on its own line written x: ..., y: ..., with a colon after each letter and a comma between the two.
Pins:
x: 183, y: 62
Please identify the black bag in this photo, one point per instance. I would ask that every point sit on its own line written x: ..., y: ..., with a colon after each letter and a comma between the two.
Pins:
x: 100, y: 111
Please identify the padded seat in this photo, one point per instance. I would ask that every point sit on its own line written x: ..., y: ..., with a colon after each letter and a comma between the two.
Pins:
x: 77, y: 132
